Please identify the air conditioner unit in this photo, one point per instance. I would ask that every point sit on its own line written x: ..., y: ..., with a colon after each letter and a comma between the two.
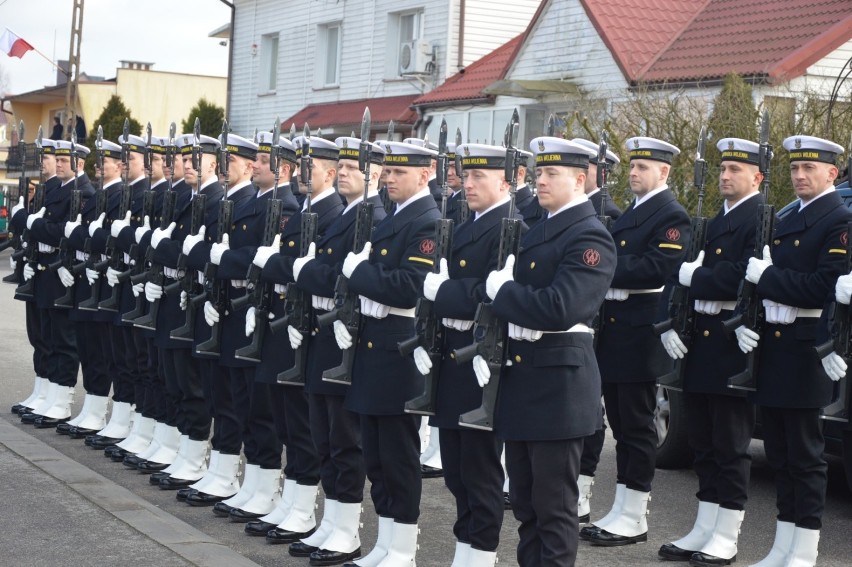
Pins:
x: 415, y: 57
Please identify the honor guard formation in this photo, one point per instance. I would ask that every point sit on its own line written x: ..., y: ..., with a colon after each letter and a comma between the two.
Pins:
x: 392, y: 311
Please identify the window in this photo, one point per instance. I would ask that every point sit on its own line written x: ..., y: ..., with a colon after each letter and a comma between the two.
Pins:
x: 268, y: 63
x: 403, y: 27
x: 328, y: 65
x: 478, y: 126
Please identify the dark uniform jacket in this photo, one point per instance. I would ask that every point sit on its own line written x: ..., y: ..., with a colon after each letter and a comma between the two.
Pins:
x: 552, y: 388
x: 713, y: 355
x: 402, y: 250
x: 808, y: 255
x: 527, y: 205
x: 57, y: 203
x: 650, y: 241
x: 612, y: 211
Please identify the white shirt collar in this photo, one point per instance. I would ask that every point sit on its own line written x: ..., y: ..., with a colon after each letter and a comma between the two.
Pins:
x: 204, y: 184
x: 649, y: 194
x: 370, y: 193
x: 160, y: 182
x: 419, y: 195
x: 828, y: 190
x: 237, y: 187
x: 265, y: 191
x: 593, y: 192
x: 578, y: 201
x: 491, y: 208
x: 316, y: 199
x: 109, y: 184
x: 738, y: 203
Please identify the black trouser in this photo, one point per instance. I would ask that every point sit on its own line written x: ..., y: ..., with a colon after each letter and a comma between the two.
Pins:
x: 63, y: 362
x: 336, y: 432
x: 630, y: 409
x: 473, y: 473
x: 261, y: 428
x: 592, y: 447
x: 720, y: 429
x: 392, y: 456
x: 300, y: 445
x: 143, y: 370
x: 544, y: 499
x: 240, y: 381
x: 794, y: 444
x: 276, y: 399
x: 122, y: 353
x: 216, y: 388
x: 157, y: 404
x: 41, y: 346
x: 183, y: 386
x: 95, y: 356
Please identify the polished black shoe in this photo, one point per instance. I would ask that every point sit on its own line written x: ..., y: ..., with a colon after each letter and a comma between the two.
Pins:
x: 241, y: 516
x: 64, y: 428
x: 149, y: 467
x: 584, y: 519
x: 100, y: 442
x: 327, y: 557
x: 44, y: 422
x: 20, y: 409
x: 80, y: 433
x: 221, y: 509
x: 199, y: 498
x: 673, y: 553
x: 301, y: 549
x: 132, y: 461
x: 607, y: 539
x: 259, y: 528
x: 587, y: 532
x: 705, y: 560
x: 29, y: 418
x: 172, y: 483
x: 507, y: 504
x: 183, y: 493
x: 156, y: 477
x: 278, y: 535
x: 430, y: 472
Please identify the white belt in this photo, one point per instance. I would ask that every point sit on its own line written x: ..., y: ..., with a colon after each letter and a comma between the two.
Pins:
x: 46, y: 248
x: 170, y: 273
x: 80, y: 255
x: 323, y: 303
x: 126, y: 258
x: 706, y: 307
x: 729, y: 305
x: 578, y: 328
x: 457, y: 324
x: 401, y: 312
x: 238, y: 283
x: 808, y: 313
x: 279, y: 288
x: 641, y: 291
x: 201, y: 278
x: 104, y: 258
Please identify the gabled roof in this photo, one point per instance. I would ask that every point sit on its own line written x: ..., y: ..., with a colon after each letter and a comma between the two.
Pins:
x: 468, y: 85
x: 347, y: 114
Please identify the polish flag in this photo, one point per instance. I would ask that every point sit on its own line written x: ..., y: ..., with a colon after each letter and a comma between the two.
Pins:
x: 13, y: 46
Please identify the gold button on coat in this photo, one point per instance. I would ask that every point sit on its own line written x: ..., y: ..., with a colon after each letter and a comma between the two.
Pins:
x: 706, y: 333
x: 369, y: 344
x: 462, y: 263
x: 777, y: 334
x: 795, y: 243
x: 384, y: 252
x: 718, y: 251
x: 517, y: 358
x: 623, y: 243
x: 532, y: 265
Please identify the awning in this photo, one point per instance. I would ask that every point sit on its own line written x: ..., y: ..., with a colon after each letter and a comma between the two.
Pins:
x: 344, y: 117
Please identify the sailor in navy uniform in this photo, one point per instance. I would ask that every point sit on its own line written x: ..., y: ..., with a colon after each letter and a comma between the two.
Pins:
x: 795, y: 279
x: 471, y: 458
x: 336, y: 431
x: 455, y: 184
x: 289, y: 401
x: 525, y: 200
x: 388, y: 274
x: 550, y: 389
x: 650, y: 238
x: 593, y: 192
x: 55, y: 326
x: 721, y: 420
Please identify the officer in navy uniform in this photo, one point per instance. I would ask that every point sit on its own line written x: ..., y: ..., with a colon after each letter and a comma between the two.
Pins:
x: 550, y: 389
x: 290, y: 401
x: 721, y: 419
x: 593, y: 444
x: 525, y: 201
x: 455, y: 184
x: 795, y: 279
x: 650, y: 238
x: 471, y: 458
x: 388, y: 275
x: 335, y: 430
x: 55, y: 326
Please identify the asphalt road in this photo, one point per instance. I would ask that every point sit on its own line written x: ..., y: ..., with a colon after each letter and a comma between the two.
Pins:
x: 34, y: 495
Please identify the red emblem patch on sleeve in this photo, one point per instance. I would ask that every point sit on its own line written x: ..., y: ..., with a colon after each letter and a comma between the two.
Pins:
x: 844, y: 238
x: 673, y: 234
x: 282, y: 223
x: 427, y: 247
x: 591, y: 257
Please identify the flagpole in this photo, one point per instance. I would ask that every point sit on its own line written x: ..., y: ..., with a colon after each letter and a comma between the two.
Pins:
x: 48, y: 59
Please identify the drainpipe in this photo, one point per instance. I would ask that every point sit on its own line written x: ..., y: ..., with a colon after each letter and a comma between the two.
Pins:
x: 460, y: 61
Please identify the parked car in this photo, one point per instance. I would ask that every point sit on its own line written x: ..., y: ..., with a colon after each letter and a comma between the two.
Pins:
x: 673, y: 449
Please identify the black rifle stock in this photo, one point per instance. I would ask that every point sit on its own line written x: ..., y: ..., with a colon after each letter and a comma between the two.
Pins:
x: 217, y: 289
x: 601, y: 178
x: 154, y: 273
x: 187, y: 278
x: 66, y: 252
x: 28, y: 254
x: 116, y: 257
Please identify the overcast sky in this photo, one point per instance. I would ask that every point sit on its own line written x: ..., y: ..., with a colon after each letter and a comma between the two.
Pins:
x: 172, y: 34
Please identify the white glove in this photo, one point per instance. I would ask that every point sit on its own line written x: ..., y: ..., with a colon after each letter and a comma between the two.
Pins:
x: 422, y: 360
x: 687, y: 269
x: 119, y: 224
x: 71, y: 225
x: 834, y: 366
x: 28, y: 271
x: 480, y: 368
x: 32, y: 218
x: 779, y: 313
x: 707, y: 307
x: 251, y: 322
x: 112, y: 277
x: 746, y: 339
x: 457, y: 324
x: 140, y: 232
x: 673, y: 345
x: 184, y: 298
x: 92, y: 276
x: 96, y: 224
x: 161, y: 234
x: 153, y: 292
x: 342, y: 336
x: 138, y: 289
x: 295, y: 337
x: 433, y: 281
x: 756, y: 267
x: 300, y: 262
x: 843, y: 289
x: 616, y: 294
x: 523, y: 334
x: 264, y: 253
x: 65, y: 276
x: 211, y: 316
x: 497, y: 278
x: 19, y: 206
x: 352, y: 260
x: 218, y: 249
x: 191, y: 240
x: 374, y: 309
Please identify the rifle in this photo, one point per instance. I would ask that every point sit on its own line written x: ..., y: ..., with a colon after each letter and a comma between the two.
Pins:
x: 489, y: 332
x: 90, y: 263
x: 30, y: 252
x: 66, y: 251
x: 116, y: 257
x: 23, y: 191
x: 386, y: 201
x: 464, y: 208
x: 217, y: 290
x: 601, y: 178
x: 259, y: 294
x: 682, y: 316
x: 297, y: 306
x: 187, y: 283
x: 155, y: 270
x: 750, y: 310
x: 429, y: 332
